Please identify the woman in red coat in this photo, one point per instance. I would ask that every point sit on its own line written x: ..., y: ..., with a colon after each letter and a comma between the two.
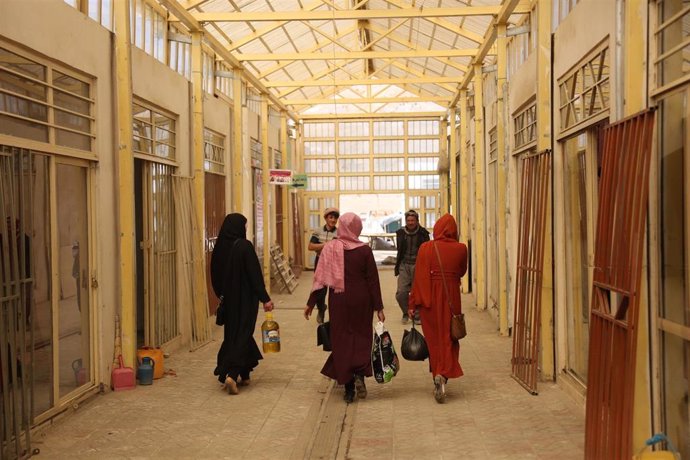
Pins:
x: 429, y: 297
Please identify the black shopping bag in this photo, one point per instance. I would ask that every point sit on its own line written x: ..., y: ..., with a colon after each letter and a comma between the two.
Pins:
x: 384, y: 359
x: 413, y: 346
x: 323, y: 335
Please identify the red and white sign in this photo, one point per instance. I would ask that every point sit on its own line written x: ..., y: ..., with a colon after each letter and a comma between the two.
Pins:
x: 280, y: 176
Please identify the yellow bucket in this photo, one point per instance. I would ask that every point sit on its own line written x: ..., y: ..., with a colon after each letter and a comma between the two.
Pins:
x: 156, y: 354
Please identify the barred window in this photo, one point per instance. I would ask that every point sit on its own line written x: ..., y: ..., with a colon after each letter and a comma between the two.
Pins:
x: 214, y: 152
x: 423, y: 127
x: 423, y: 146
x: 493, y: 145
x: 353, y: 129
x: 321, y: 184
x: 316, y: 130
x: 148, y: 27
x: 389, y: 164
x: 389, y: 146
x: 389, y: 128
x: 422, y: 164
x: 383, y: 183
x: 353, y: 147
x: 585, y: 92
x: 354, y: 183
x: 41, y: 102
x: 423, y: 182
x: 319, y: 166
x: 525, y: 126
x: 353, y: 165
x: 153, y: 132
x: 319, y: 148
x: 673, y: 39
x: 180, y: 52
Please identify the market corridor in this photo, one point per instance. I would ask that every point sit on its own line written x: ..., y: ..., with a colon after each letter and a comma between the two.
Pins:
x: 291, y: 411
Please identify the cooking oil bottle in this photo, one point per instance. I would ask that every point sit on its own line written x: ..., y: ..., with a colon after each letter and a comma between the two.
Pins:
x: 270, y: 334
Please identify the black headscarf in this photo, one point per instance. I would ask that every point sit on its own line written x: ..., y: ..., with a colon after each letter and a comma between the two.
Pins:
x: 234, y: 227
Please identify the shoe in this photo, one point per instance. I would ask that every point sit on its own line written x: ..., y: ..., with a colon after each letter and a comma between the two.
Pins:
x: 360, y: 387
x: 244, y: 382
x: 231, y: 386
x: 349, y: 396
x: 320, y: 316
x: 405, y: 319
x: 440, y: 389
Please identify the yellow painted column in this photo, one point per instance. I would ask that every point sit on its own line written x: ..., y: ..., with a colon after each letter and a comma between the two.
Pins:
x: 237, y: 153
x: 465, y: 169
x: 543, y: 143
x: 199, y: 296
x: 286, y: 190
x: 265, y: 166
x: 453, y: 148
x: 444, y: 175
x: 125, y: 180
x: 634, y: 79
x: 479, y: 239
x: 501, y: 144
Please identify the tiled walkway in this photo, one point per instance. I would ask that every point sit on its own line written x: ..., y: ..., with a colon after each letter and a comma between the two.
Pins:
x: 291, y: 411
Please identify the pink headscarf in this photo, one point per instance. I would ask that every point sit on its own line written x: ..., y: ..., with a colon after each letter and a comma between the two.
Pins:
x: 331, y: 269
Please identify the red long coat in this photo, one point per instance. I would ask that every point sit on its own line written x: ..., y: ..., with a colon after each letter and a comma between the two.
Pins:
x: 429, y: 297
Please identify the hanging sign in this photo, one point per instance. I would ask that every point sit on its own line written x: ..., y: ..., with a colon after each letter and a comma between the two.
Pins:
x: 280, y: 176
x: 299, y: 181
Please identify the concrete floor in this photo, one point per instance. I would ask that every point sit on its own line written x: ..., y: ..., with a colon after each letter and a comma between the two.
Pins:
x: 291, y: 411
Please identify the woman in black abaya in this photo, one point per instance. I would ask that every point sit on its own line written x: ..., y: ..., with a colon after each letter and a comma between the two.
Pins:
x: 236, y: 275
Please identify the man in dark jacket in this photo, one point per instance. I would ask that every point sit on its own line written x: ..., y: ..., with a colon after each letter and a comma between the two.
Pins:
x: 408, y: 240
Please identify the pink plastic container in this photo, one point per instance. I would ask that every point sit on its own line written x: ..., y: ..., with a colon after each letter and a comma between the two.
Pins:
x: 123, y: 377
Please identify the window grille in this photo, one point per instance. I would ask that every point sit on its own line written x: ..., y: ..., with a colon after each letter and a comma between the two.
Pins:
x: 42, y: 102
x: 525, y: 126
x: 207, y: 71
x: 672, y: 32
x: 214, y: 152
x: 585, y: 92
x: 256, y: 149
x: 493, y: 145
x: 153, y: 132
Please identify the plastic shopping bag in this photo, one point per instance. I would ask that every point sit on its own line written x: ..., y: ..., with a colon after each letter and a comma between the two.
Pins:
x: 384, y: 359
x: 413, y: 346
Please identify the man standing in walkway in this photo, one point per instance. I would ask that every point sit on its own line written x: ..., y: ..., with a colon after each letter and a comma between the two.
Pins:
x: 318, y: 240
x: 408, y: 240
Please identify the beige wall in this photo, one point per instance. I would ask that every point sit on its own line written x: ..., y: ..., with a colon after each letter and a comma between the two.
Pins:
x: 84, y: 46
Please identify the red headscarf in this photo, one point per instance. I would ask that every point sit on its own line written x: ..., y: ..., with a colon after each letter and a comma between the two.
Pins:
x: 331, y: 269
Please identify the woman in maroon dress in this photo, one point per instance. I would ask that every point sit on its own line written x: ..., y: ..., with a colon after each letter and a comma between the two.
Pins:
x: 348, y: 270
x: 429, y: 297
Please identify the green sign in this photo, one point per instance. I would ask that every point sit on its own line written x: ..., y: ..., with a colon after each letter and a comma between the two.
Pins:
x: 299, y: 181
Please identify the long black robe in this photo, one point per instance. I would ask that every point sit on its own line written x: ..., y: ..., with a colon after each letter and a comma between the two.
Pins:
x: 236, y: 275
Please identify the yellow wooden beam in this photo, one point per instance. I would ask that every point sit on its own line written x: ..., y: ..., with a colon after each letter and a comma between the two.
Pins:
x: 448, y: 25
x: 339, y: 15
x: 361, y: 81
x: 350, y: 55
x: 501, y: 151
x: 417, y: 73
x: 200, y: 299
x: 125, y: 181
x: 543, y: 143
x: 237, y: 151
x: 356, y: 116
x: 366, y: 100
x: 465, y: 170
x: 507, y: 8
x: 286, y: 191
x: 444, y: 176
x: 312, y: 49
x: 479, y: 239
x: 401, y: 40
x: 453, y: 164
x: 266, y: 165
x: 270, y: 28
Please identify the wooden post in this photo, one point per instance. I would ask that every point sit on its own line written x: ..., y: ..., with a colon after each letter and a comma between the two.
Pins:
x: 266, y: 166
x: 465, y: 170
x: 237, y: 152
x: 479, y: 239
x: 125, y: 179
x: 501, y: 130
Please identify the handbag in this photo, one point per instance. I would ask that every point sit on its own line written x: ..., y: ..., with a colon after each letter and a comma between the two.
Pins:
x: 458, y: 328
x: 220, y: 312
x: 323, y: 335
x: 413, y: 346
